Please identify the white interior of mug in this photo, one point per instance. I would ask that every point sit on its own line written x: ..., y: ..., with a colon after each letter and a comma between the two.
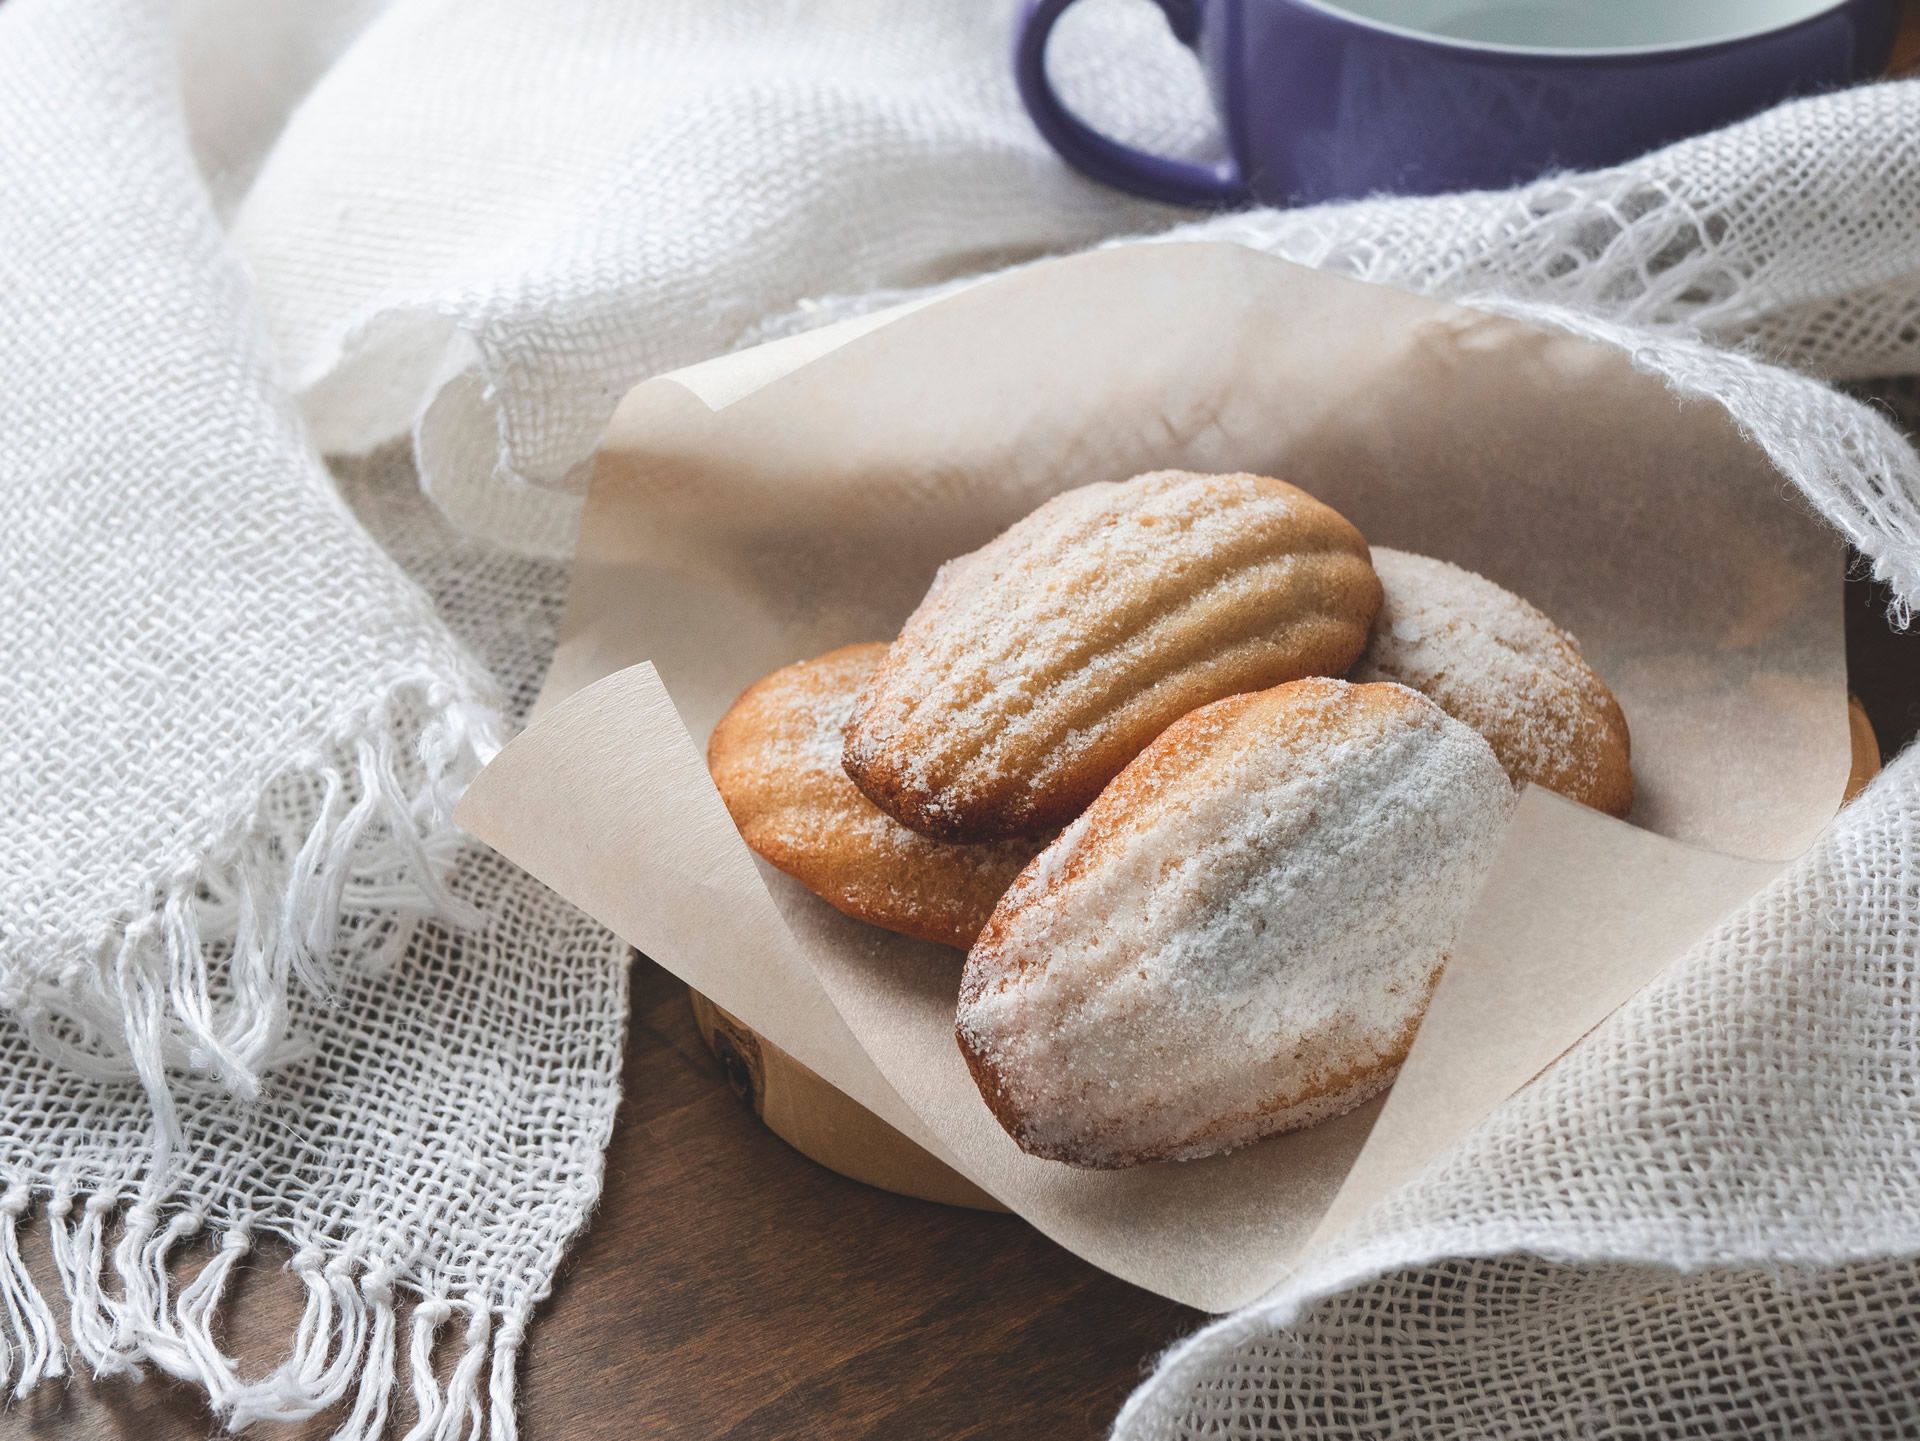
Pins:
x: 1580, y: 26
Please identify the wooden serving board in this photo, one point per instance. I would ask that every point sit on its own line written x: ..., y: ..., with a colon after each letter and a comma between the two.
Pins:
x: 823, y: 1123
x: 829, y: 1127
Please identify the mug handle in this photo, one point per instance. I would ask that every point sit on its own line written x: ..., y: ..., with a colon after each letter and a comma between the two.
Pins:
x: 1157, y: 177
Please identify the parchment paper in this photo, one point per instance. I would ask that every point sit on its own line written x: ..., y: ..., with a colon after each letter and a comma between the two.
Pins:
x: 758, y: 510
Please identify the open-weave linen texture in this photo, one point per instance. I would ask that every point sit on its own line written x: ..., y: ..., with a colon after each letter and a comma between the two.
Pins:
x: 259, y: 987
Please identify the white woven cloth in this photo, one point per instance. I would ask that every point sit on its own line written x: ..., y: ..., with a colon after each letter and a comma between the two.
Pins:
x: 257, y: 985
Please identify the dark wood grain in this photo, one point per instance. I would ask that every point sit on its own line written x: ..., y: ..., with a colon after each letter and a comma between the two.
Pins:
x: 1884, y: 665
x: 1906, y: 44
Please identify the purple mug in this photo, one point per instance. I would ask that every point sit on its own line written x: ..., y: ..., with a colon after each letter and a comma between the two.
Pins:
x: 1333, y: 99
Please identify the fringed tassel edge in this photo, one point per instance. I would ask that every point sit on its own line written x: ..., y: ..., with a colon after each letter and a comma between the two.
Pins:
x: 267, y: 898
x: 34, y: 1350
x: 345, y: 1350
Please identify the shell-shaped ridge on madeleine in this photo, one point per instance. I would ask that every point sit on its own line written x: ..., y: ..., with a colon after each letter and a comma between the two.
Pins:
x: 1040, y: 664
x: 775, y: 758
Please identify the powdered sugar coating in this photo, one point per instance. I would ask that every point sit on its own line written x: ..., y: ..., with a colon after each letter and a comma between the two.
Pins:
x: 775, y: 757
x: 1242, y: 932
x: 1039, y: 665
x: 1490, y: 659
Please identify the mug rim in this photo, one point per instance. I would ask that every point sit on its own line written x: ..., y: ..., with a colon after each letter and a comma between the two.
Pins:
x: 1336, y: 9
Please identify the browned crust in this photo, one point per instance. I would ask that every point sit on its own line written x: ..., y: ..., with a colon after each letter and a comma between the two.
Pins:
x: 1333, y: 1094
x: 1597, y: 769
x: 1599, y: 772
x: 817, y: 828
x: 1611, y: 787
x: 1174, y: 763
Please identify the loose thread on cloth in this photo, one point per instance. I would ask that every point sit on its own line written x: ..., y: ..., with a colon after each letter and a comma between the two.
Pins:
x: 198, y: 980
x: 368, y: 1419
x: 429, y: 1398
x: 77, y: 1238
x: 32, y: 1331
x: 345, y: 1345
x: 327, y: 1346
x: 501, y: 1422
x: 464, y: 1394
x: 197, y: 1356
